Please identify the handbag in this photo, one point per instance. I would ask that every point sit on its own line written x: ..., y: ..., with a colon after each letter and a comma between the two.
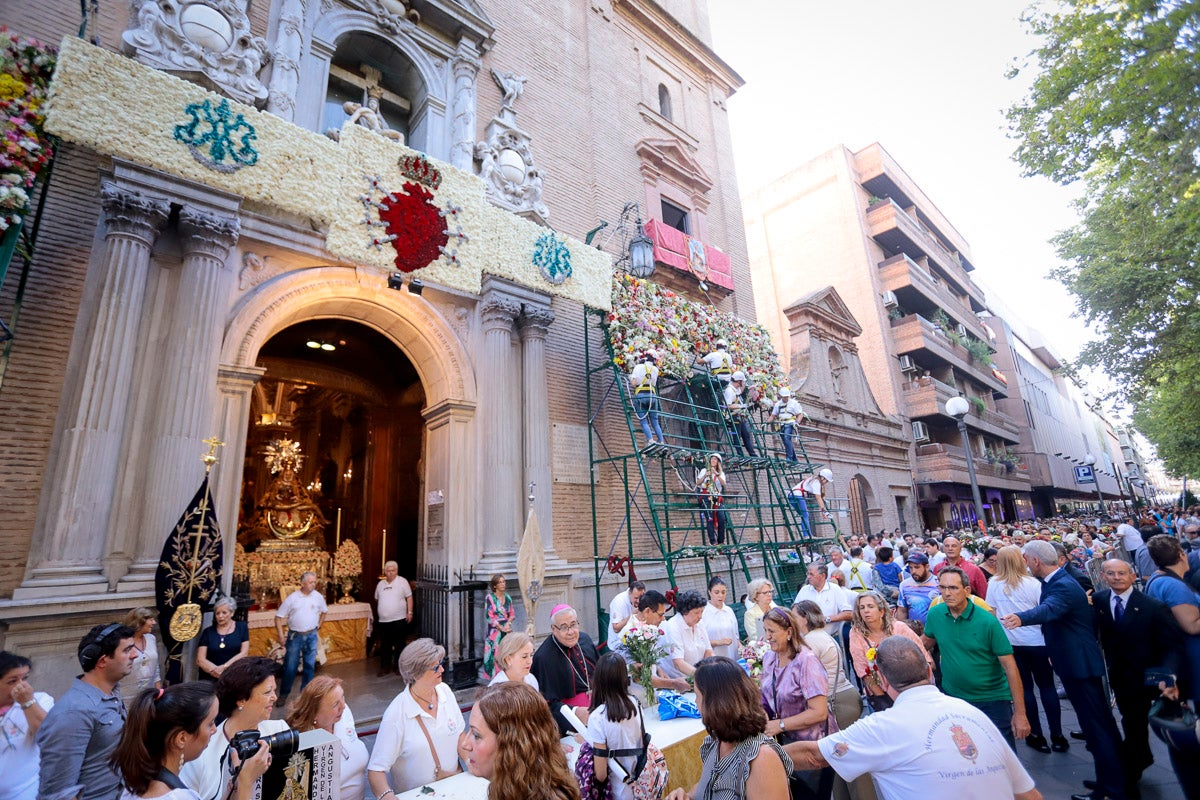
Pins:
x: 585, y: 773
x: 438, y: 772
x: 649, y: 776
x: 1176, y: 724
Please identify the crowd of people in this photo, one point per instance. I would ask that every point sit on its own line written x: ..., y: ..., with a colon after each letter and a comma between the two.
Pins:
x: 897, y: 659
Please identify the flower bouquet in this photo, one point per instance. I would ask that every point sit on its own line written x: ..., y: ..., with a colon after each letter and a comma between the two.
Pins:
x: 347, y: 569
x: 25, y: 69
x: 750, y: 656
x: 872, y: 675
x: 645, y: 646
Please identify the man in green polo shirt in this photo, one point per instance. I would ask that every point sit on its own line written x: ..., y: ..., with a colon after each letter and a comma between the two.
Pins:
x: 977, y: 658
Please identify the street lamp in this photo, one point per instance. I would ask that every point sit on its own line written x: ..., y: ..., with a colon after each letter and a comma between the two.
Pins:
x: 1090, y: 460
x: 958, y: 407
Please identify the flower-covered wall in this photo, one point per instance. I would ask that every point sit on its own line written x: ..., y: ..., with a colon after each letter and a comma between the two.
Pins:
x: 646, y: 315
x: 367, y: 191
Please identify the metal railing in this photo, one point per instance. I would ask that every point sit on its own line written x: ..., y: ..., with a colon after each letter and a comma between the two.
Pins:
x: 433, y: 591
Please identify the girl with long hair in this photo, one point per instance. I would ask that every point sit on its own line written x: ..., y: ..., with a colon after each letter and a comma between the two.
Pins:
x: 614, y: 722
x: 165, y: 729
x: 1010, y: 591
x: 513, y: 742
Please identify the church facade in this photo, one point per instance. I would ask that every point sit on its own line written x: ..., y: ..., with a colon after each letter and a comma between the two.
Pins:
x: 354, y: 228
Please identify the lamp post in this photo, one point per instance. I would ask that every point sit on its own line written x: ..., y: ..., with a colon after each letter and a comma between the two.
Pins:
x: 1090, y: 460
x: 958, y: 407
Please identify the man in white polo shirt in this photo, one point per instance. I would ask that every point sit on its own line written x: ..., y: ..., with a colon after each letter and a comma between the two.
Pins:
x: 927, y: 745
x: 304, y: 610
x: 393, y: 602
x: 836, y: 603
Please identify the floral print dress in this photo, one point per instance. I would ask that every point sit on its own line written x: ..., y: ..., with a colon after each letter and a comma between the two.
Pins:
x: 498, y: 613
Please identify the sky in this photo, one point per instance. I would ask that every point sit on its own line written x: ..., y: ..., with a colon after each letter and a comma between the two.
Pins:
x: 926, y: 79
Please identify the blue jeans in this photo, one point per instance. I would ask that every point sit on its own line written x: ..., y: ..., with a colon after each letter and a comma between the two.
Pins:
x: 789, y: 447
x: 1000, y: 713
x: 299, y: 645
x: 645, y: 406
x: 801, y: 505
x: 739, y: 428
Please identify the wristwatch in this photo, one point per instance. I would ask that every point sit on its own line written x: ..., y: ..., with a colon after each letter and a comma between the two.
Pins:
x: 782, y: 725
x: 28, y: 703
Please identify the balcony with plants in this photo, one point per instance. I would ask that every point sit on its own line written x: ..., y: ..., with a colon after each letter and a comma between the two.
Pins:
x: 939, y: 344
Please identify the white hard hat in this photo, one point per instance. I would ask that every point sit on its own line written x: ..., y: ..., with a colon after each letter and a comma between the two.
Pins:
x: 739, y: 376
x: 785, y: 392
x: 717, y: 456
x: 651, y: 353
x: 722, y: 344
x: 826, y: 473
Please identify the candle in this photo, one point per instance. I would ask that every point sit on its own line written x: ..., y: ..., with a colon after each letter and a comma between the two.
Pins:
x: 383, y: 554
x: 339, y: 529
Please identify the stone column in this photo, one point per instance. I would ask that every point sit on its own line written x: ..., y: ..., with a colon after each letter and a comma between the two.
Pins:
x: 185, y: 414
x: 465, y: 64
x: 534, y: 324
x: 236, y: 385
x: 78, y: 494
x: 285, y: 60
x: 500, y: 482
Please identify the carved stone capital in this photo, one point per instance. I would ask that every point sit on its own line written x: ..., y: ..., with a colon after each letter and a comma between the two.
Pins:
x: 132, y: 214
x: 208, y: 234
x: 535, y: 322
x: 465, y: 62
x: 498, y: 313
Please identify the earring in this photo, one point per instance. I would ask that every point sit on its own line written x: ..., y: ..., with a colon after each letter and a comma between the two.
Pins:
x: 180, y: 760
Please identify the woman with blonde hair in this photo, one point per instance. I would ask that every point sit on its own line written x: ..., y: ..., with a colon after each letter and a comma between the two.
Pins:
x: 145, y: 649
x: 322, y: 705
x: 514, y: 659
x: 759, y: 600
x: 1010, y: 591
x: 871, y: 623
x: 513, y: 743
x: 418, y: 737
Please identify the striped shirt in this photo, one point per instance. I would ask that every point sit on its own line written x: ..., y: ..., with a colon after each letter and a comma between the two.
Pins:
x: 725, y: 778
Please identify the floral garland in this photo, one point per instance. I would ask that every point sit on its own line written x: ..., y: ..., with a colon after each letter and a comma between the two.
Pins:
x: 25, y: 69
x: 347, y: 561
x: 645, y: 315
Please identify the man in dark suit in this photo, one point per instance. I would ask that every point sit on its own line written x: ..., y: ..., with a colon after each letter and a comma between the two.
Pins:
x: 1137, y: 633
x: 1067, y: 624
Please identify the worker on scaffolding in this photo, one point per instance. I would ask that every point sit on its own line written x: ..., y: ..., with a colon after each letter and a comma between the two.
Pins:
x: 811, y: 487
x: 736, y: 413
x: 786, y: 412
x: 643, y: 382
x: 719, y: 362
x: 710, y: 491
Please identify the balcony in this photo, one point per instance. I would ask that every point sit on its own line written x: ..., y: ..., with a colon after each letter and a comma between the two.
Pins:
x: 920, y: 291
x: 673, y: 248
x: 897, y: 232
x: 915, y: 334
x: 947, y: 463
x: 926, y: 397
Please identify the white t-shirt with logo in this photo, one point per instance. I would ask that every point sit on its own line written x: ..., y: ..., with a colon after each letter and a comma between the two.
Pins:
x: 392, y: 599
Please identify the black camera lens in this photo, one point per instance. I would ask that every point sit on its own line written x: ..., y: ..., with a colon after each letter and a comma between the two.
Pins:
x: 282, y: 744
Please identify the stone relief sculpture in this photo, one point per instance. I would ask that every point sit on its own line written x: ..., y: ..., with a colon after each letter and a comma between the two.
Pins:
x: 367, y: 114
x: 505, y: 158
x: 394, y: 16
x: 207, y: 41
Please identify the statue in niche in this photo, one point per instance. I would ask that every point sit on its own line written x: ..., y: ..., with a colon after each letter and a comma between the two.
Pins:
x: 837, y: 371
x: 512, y: 85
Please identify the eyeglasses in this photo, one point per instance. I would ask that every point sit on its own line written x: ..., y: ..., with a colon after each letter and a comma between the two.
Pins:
x: 438, y: 667
x: 570, y: 626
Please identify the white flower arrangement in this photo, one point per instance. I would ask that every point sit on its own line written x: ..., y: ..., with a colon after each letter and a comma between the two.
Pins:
x: 347, y: 561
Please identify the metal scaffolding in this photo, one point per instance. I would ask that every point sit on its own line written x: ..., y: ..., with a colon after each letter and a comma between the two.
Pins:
x: 658, y: 518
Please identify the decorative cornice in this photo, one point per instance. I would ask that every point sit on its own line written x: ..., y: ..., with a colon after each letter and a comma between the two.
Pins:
x: 208, y: 234
x: 129, y: 213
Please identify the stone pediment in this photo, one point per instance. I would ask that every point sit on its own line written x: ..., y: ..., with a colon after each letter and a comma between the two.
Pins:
x: 825, y: 310
x: 671, y: 158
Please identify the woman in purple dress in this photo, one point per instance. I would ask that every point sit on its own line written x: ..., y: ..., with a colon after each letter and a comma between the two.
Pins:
x: 500, y: 613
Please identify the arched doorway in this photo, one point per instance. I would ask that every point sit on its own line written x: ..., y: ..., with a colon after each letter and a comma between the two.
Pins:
x: 350, y: 401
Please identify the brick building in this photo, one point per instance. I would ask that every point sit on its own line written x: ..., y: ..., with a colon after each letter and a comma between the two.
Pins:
x: 174, y: 296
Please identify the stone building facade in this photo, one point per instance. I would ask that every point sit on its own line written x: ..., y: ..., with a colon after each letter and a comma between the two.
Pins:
x: 165, y: 294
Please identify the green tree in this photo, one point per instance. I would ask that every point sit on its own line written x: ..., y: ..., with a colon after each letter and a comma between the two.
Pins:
x: 1115, y: 103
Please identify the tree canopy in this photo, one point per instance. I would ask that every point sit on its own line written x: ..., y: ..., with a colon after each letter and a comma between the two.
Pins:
x: 1115, y: 103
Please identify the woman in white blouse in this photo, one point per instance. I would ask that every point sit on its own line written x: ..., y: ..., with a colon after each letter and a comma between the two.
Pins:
x: 514, y: 659
x: 719, y: 621
x: 417, y: 741
x: 322, y: 705
x: 145, y: 650
x: 759, y: 594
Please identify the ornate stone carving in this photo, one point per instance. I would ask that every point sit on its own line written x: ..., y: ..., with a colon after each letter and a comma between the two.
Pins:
x: 498, y: 313
x: 208, y: 234
x: 206, y: 41
x: 256, y: 269
x: 513, y: 85
x: 394, y: 16
x: 285, y: 56
x: 466, y: 66
x: 460, y: 320
x: 132, y: 214
x: 506, y: 160
x: 535, y: 321
x: 368, y: 116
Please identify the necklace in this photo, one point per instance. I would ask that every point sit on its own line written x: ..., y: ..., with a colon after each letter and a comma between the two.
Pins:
x: 428, y: 703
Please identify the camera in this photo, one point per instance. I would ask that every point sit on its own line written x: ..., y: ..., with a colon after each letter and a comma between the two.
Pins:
x: 284, y: 743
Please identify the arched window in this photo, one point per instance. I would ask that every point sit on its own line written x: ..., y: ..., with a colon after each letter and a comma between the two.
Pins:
x: 363, y: 65
x: 664, y: 101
